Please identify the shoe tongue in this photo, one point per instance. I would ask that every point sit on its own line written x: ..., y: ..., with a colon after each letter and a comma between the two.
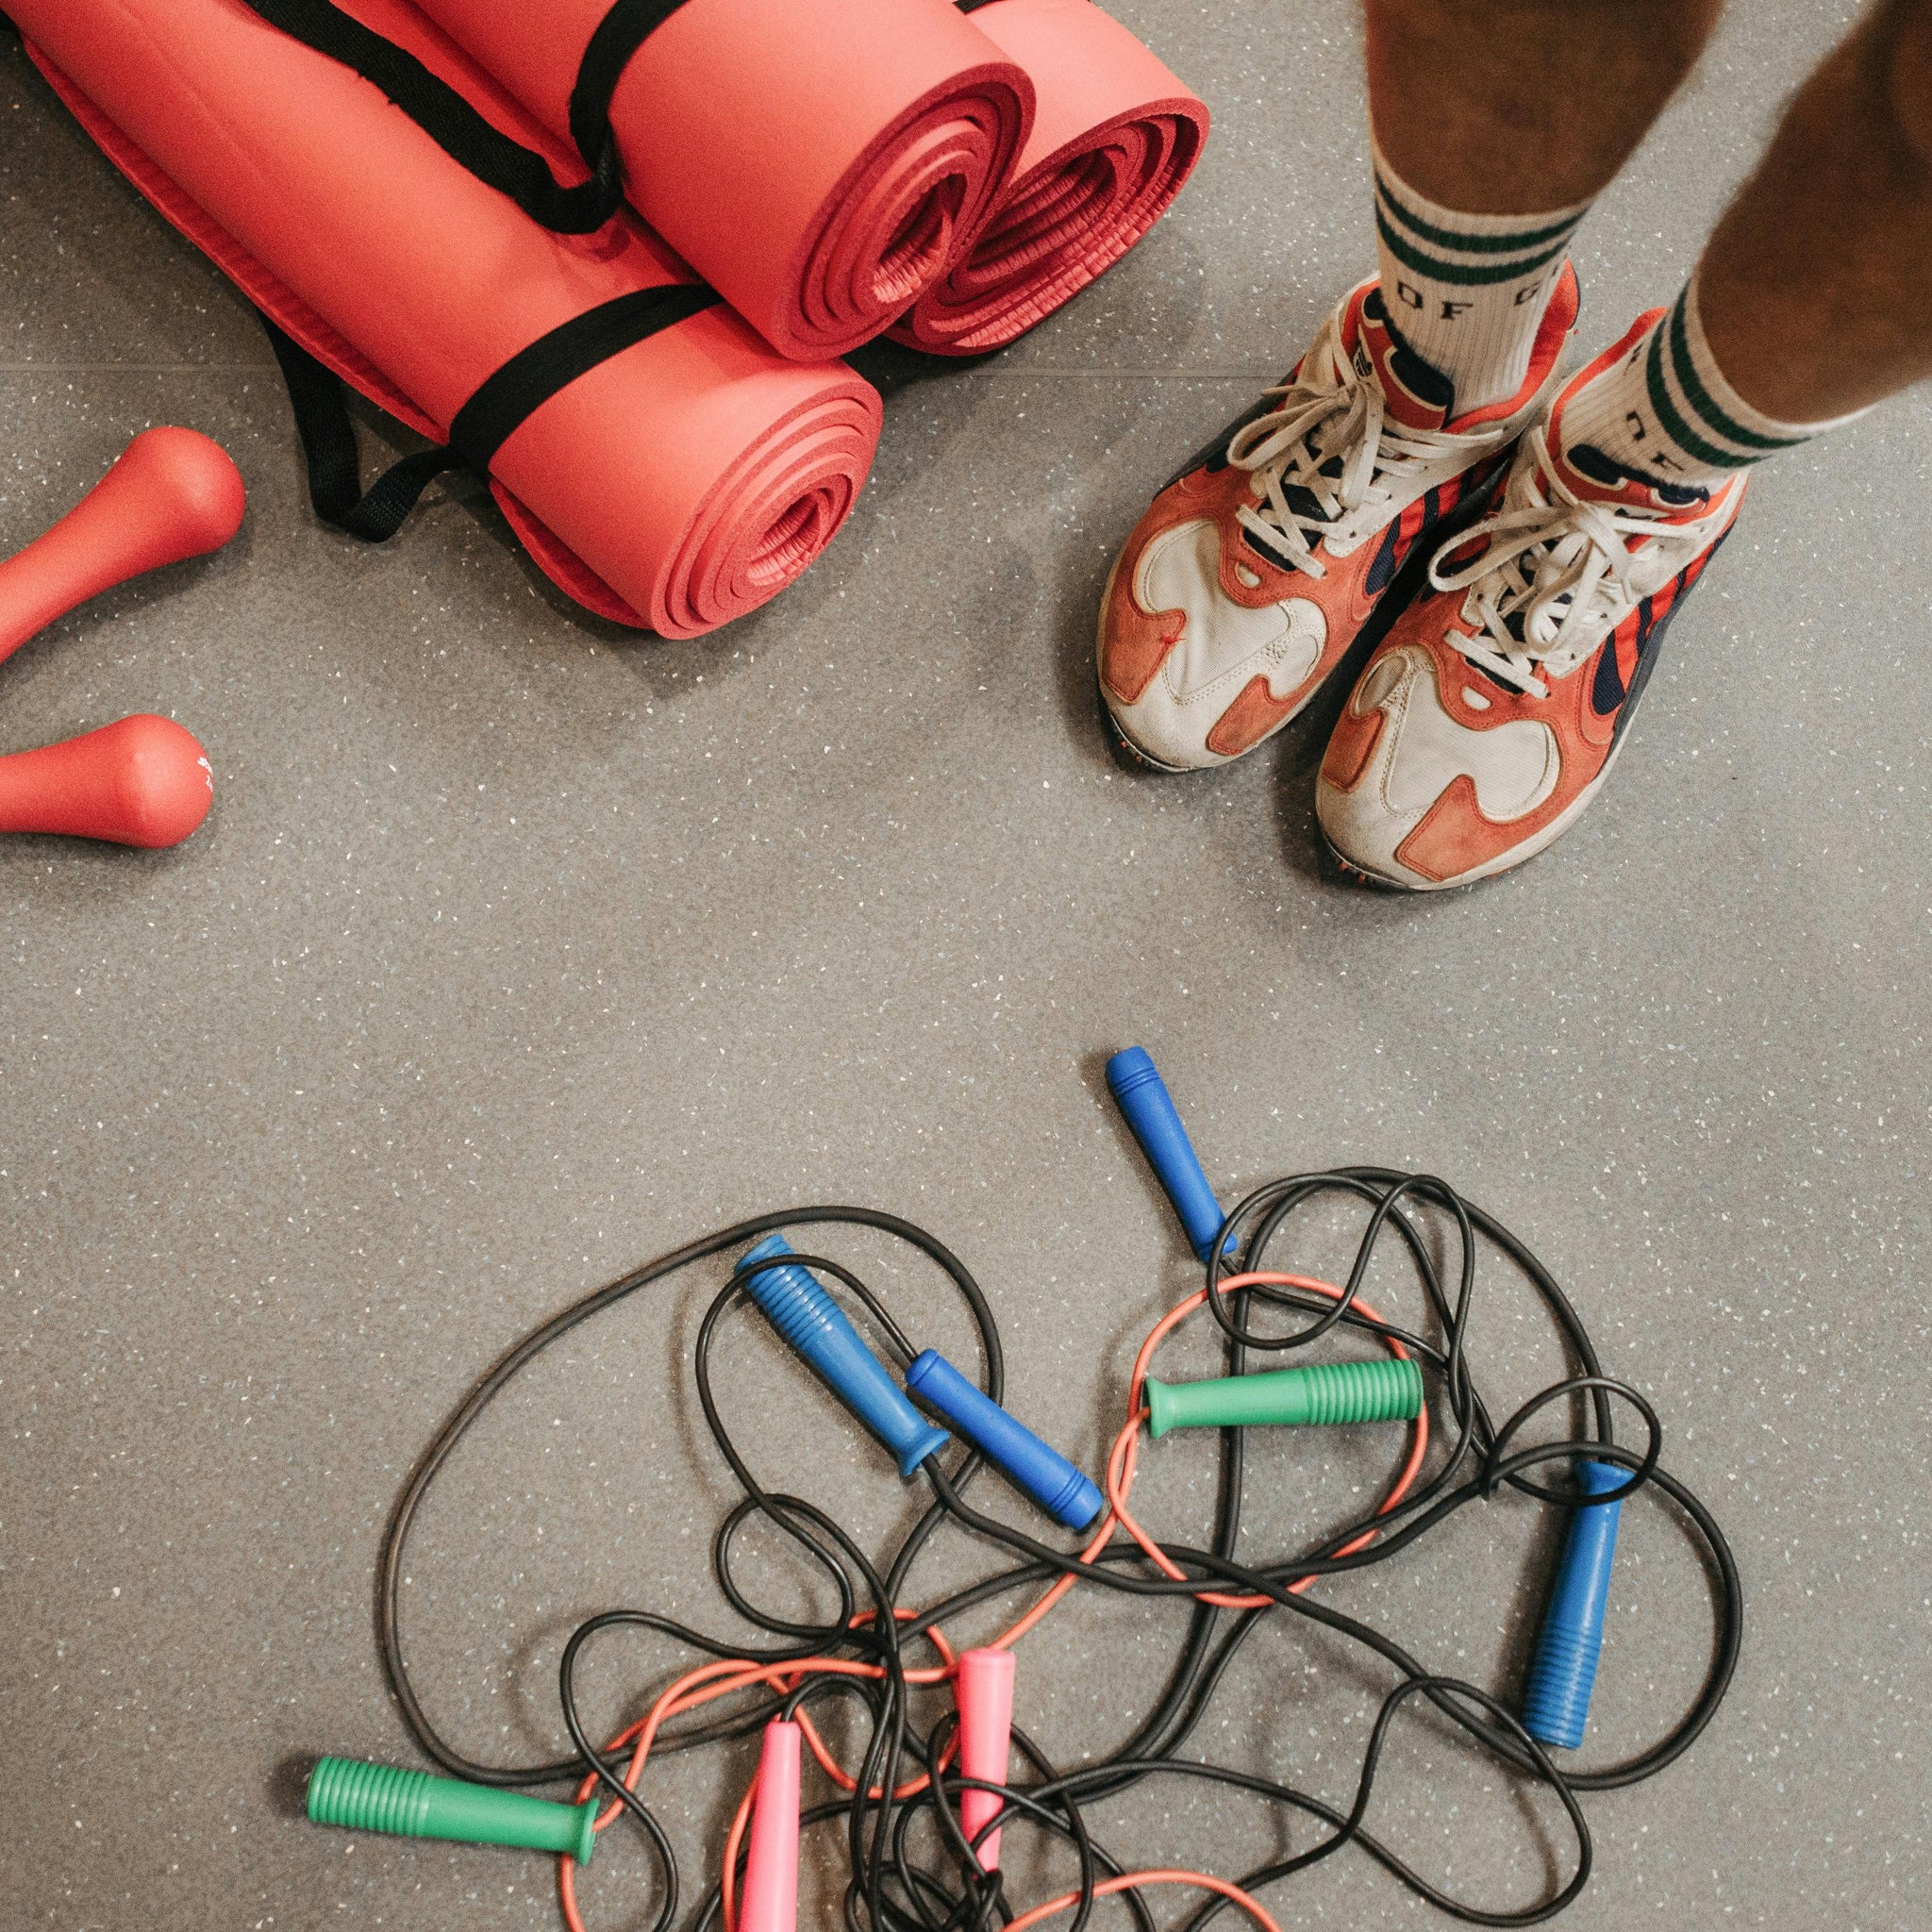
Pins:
x: 1414, y: 393
x: 1599, y: 477
x: 1593, y: 474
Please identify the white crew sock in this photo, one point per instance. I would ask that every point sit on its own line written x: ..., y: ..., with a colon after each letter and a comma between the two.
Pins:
x: 1665, y: 412
x: 1467, y: 291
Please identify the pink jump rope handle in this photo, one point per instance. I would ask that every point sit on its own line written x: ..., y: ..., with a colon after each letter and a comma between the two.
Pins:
x: 983, y: 1689
x: 143, y: 781
x: 771, y: 1868
x: 171, y: 493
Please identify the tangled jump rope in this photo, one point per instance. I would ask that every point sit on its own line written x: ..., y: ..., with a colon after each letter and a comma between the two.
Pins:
x: 922, y: 1812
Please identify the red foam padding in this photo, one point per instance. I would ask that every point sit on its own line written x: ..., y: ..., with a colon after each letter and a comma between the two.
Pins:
x: 171, y: 493
x: 1115, y: 138
x: 144, y: 782
x: 694, y: 474
x: 820, y: 162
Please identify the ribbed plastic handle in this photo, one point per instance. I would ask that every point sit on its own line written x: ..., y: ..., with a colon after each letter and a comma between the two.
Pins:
x: 1318, y: 1393
x: 1562, y: 1669
x: 771, y: 1866
x: 1067, y: 1494
x: 1141, y: 1096
x: 798, y: 1307
x: 412, y: 1803
x: 983, y: 1689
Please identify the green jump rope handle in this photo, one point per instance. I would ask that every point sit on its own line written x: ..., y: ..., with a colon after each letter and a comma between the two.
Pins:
x: 1377, y: 1391
x: 412, y: 1803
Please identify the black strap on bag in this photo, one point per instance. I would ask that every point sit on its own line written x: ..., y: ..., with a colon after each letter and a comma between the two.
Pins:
x: 461, y: 132
x: 620, y: 34
x: 328, y: 444
x: 452, y: 123
x: 499, y: 405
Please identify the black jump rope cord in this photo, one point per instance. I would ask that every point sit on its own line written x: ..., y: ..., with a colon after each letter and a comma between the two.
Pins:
x: 908, y: 1863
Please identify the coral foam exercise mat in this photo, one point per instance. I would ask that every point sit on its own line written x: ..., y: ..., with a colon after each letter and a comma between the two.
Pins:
x: 819, y: 162
x: 1115, y: 136
x: 676, y: 481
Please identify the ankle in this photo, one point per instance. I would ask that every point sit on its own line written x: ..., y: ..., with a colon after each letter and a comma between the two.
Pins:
x: 1468, y: 293
x: 1656, y: 421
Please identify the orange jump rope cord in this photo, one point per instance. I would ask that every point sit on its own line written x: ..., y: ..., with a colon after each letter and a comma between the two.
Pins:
x: 711, y: 1681
x: 1163, y: 1876
x: 1123, y: 1463
x: 695, y: 1688
x: 730, y: 1674
x: 1124, y: 1456
x: 728, y: 1879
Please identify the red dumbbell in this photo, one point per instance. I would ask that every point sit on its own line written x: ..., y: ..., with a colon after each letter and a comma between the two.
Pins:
x: 171, y: 493
x: 144, y: 782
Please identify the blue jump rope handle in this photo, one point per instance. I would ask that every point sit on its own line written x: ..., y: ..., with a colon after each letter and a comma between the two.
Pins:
x: 1063, y: 1491
x: 814, y: 1325
x: 1562, y: 1671
x: 1141, y: 1096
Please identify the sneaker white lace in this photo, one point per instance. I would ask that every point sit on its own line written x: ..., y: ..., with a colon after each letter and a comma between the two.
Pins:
x: 1557, y: 572
x: 1332, y: 442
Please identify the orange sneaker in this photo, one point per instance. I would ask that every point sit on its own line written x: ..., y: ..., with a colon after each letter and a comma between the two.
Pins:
x: 1488, y: 718
x: 1255, y: 569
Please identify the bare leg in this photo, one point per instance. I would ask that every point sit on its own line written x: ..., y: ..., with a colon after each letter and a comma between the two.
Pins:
x: 1498, y: 105
x: 1816, y: 287
x: 1496, y: 122
x: 1481, y: 729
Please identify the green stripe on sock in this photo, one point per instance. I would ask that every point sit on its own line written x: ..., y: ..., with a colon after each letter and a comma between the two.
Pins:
x: 1675, y: 427
x: 1456, y: 273
x: 1514, y: 244
x: 1686, y: 371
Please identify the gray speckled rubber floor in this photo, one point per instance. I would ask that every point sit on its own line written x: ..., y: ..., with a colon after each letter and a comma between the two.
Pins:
x: 517, y: 951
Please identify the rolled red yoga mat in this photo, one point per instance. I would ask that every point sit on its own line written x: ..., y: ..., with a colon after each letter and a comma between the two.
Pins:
x: 819, y: 162
x: 1114, y: 137
x: 675, y: 483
